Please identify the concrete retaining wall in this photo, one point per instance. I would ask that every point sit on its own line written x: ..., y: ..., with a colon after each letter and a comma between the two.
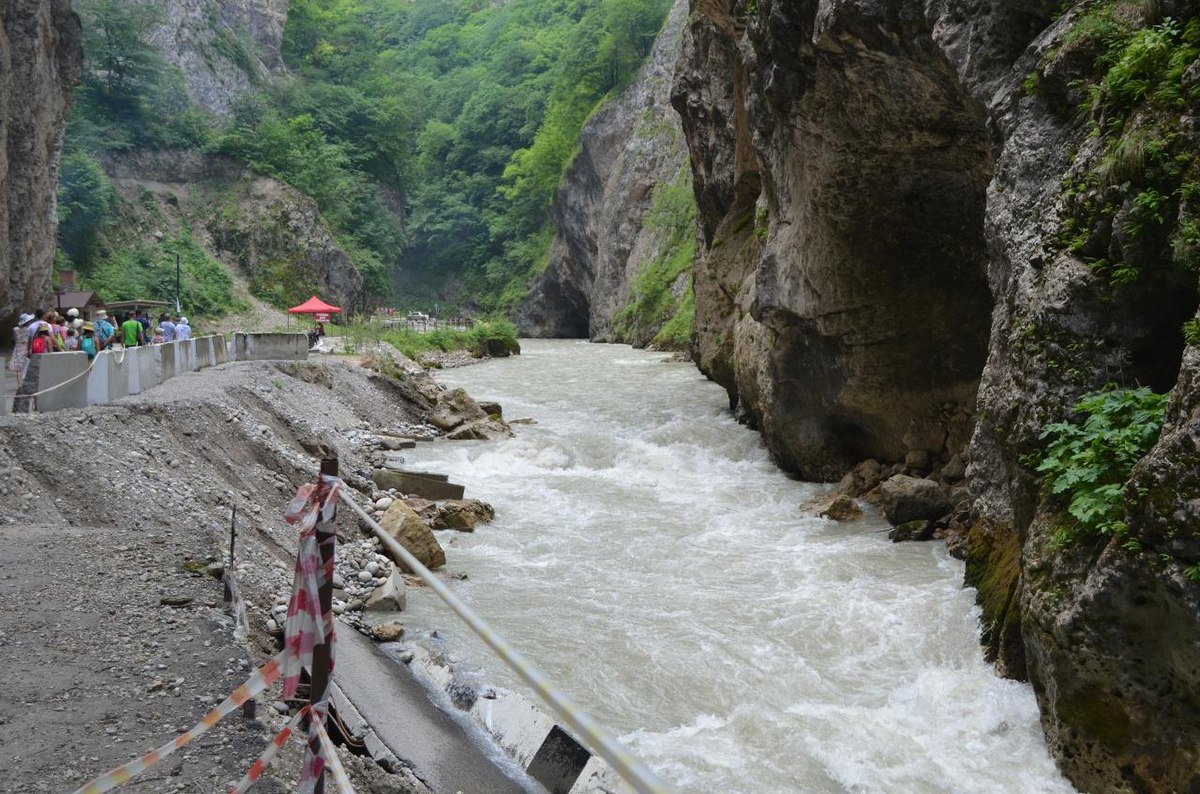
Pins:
x: 140, y: 369
x: 51, y: 369
x: 116, y: 374
x: 270, y: 347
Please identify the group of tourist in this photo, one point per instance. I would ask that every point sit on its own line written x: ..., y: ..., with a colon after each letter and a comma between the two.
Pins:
x: 51, y: 332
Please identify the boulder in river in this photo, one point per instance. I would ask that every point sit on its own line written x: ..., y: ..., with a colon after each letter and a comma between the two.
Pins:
x: 463, y: 514
x: 403, y: 524
x: 840, y: 508
x: 919, y: 529
x: 388, y: 597
x: 905, y: 498
x: 455, y: 408
x: 491, y: 428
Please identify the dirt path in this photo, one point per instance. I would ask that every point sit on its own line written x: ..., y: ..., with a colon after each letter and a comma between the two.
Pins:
x: 98, y: 671
x: 106, y: 511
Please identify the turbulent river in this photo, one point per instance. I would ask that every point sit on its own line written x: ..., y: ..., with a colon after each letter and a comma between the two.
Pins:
x: 651, y: 559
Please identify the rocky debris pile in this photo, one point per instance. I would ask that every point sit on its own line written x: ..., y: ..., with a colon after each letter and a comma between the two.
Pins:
x: 463, y: 419
x: 929, y: 507
x: 155, y: 479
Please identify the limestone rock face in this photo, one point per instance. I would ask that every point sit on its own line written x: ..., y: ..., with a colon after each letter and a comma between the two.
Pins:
x: 403, y: 524
x: 41, y: 58
x: 882, y: 274
x: 223, y: 47
x: 628, y: 147
x: 840, y: 169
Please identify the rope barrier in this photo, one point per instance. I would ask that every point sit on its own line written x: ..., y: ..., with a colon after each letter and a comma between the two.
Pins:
x: 71, y: 379
x: 337, y: 772
x: 583, y: 724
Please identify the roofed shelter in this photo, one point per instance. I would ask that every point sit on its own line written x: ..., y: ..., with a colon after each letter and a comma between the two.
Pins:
x: 319, y: 309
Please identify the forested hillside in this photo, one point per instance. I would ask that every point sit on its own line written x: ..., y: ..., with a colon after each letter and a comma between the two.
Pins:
x: 431, y: 135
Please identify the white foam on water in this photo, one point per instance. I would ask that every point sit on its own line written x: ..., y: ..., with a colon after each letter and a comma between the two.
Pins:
x: 651, y: 559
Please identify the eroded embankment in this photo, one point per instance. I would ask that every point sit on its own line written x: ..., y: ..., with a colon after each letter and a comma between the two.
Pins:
x: 113, y: 513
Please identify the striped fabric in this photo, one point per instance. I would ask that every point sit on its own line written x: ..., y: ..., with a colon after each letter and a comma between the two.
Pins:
x: 262, y: 678
x: 314, y: 761
x: 306, y: 627
x: 268, y: 755
x: 337, y: 772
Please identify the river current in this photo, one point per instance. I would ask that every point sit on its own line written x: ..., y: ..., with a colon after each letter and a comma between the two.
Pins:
x: 650, y: 558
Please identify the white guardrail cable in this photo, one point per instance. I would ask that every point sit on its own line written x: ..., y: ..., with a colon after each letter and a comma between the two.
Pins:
x: 583, y: 724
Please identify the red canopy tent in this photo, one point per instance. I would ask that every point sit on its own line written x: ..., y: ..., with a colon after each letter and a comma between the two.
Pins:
x: 316, y: 307
x: 313, y: 305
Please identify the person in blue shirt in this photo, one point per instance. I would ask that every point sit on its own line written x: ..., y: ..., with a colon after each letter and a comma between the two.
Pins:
x: 104, y: 330
x: 168, y: 327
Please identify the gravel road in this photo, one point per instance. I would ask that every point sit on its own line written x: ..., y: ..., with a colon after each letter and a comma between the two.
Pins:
x: 107, y: 511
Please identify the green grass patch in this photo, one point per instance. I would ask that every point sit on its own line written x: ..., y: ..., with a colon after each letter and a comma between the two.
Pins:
x: 486, y: 337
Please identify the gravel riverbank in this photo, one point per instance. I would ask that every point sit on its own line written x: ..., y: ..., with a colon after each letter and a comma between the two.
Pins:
x: 113, y: 635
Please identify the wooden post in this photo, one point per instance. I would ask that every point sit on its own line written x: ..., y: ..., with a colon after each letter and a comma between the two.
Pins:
x: 321, y: 653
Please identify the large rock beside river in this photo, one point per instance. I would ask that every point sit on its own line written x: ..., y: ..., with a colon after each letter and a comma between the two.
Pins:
x: 403, y: 524
x: 463, y: 514
x: 905, y: 499
x: 455, y: 408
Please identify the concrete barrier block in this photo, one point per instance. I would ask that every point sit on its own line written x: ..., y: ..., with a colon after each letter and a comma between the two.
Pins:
x: 221, y: 349
x: 97, y: 379
x: 164, y: 361
x: 56, y: 374
x: 140, y: 369
x: 185, y: 356
x: 119, y: 362
x: 205, y: 357
x: 270, y: 347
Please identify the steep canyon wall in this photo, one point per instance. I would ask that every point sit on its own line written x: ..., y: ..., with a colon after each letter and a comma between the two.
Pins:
x: 223, y: 48
x: 631, y: 149
x: 884, y: 194
x: 40, y: 61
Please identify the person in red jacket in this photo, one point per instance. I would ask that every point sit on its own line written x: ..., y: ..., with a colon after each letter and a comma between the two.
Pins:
x: 41, y: 341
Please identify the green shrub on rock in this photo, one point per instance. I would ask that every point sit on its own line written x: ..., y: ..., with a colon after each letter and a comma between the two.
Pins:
x: 1088, y: 461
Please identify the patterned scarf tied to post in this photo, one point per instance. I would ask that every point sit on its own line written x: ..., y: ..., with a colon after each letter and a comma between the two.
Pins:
x: 312, y: 510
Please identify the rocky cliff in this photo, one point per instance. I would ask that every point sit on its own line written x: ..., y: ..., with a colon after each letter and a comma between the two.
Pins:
x: 615, y: 234
x: 266, y: 233
x: 916, y: 217
x: 224, y: 48
x: 41, y: 57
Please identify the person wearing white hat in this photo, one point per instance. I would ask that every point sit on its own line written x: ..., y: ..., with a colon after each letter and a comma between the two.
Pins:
x: 104, y: 330
x: 72, y: 313
x: 20, y: 356
x: 182, y: 329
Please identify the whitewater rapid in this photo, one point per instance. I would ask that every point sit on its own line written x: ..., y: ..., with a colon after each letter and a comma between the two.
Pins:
x: 651, y: 559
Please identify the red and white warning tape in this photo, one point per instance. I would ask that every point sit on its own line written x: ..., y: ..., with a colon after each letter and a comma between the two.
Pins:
x: 262, y: 678
x: 313, y: 508
x: 268, y: 755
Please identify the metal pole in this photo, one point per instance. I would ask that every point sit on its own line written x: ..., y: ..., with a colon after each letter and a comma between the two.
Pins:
x: 321, y: 653
x: 178, y: 292
x: 232, y: 535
